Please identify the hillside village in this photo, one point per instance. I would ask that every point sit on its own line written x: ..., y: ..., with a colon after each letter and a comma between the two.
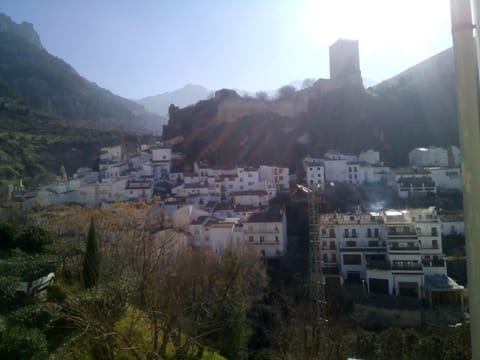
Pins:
x: 396, y: 252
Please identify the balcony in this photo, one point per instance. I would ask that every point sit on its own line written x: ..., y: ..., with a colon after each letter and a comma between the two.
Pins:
x: 402, y: 233
x: 433, y: 263
x: 394, y: 247
x: 379, y: 265
x: 262, y: 231
x: 407, y: 266
x: 363, y: 246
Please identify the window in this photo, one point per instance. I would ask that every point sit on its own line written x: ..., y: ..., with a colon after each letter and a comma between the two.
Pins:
x: 332, y: 233
x: 352, y: 259
x: 251, y: 238
x: 262, y: 239
x: 334, y: 258
x: 349, y: 169
x: 354, y: 232
x: 434, y: 231
x: 375, y: 232
x: 324, y: 244
x: 324, y: 231
x: 276, y: 239
x: 346, y: 233
x: 435, y: 244
x: 351, y: 243
x: 332, y: 245
x: 369, y: 232
x: 325, y: 258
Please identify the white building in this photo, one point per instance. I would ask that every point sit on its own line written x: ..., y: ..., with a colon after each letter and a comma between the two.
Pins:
x: 139, y: 189
x: 111, y: 154
x: 393, y: 252
x: 414, y: 182
x: 371, y: 157
x: 446, y: 178
x: 266, y: 232
x: 315, y: 172
x: 256, y: 198
x: 279, y: 176
x: 435, y: 156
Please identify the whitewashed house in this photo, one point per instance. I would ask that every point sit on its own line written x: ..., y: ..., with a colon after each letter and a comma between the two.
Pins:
x: 279, y: 176
x: 414, y: 182
x: 139, y: 189
x: 315, y: 172
x: 446, y: 178
x: 266, y: 232
x: 393, y: 252
x: 256, y: 198
x: 111, y: 154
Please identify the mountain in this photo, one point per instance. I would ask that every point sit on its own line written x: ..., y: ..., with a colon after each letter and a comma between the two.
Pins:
x: 30, y: 77
x: 50, y: 115
x: 187, y: 95
x: 415, y: 108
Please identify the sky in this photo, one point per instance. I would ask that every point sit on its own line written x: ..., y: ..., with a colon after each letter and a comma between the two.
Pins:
x: 139, y: 48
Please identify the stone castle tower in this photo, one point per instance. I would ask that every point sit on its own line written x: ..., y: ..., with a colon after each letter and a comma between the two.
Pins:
x: 345, y: 61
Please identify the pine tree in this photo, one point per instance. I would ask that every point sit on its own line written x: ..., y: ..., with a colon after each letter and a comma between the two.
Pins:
x: 91, y: 262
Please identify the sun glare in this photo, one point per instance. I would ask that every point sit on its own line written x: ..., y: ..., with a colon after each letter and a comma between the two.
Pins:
x: 378, y: 24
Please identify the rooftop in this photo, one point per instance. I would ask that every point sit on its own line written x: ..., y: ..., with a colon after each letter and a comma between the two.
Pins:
x: 273, y: 214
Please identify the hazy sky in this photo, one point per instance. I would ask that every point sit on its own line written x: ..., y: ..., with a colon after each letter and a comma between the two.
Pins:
x: 138, y: 48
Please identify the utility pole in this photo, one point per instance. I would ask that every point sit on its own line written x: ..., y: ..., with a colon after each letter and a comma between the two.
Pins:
x: 466, y: 69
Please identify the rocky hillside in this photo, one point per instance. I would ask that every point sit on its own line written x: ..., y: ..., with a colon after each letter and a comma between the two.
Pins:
x: 34, y: 80
x: 415, y: 108
x: 50, y: 115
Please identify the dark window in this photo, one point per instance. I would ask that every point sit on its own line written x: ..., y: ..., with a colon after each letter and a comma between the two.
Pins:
x: 352, y: 259
x: 332, y: 233
x: 369, y: 232
x: 354, y: 232
x: 434, y: 231
x: 346, y: 233
x: 375, y: 232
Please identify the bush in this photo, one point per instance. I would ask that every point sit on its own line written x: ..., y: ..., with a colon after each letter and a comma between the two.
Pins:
x: 55, y: 293
x: 20, y: 343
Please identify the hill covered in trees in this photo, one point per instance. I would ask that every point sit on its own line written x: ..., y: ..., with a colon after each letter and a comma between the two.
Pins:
x: 50, y: 115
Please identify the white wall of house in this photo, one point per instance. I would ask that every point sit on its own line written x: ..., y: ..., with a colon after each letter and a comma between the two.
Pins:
x: 162, y: 154
x: 276, y: 175
x: 251, y: 198
x: 336, y: 170
x: 447, y: 178
x: 315, y: 172
x: 431, y: 156
x: 112, y: 153
x: 369, y: 156
x: 267, y: 238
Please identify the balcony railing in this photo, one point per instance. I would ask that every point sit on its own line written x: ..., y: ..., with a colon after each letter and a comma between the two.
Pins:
x: 271, y: 231
x: 379, y: 265
x: 406, y: 266
x: 404, y: 248
x: 402, y: 233
x: 433, y: 263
